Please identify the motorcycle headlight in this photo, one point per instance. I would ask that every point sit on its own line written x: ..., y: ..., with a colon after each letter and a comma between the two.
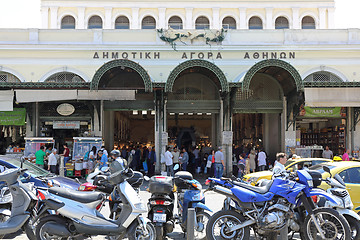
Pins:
x: 140, y: 206
x: 310, y: 183
x: 348, y: 203
x: 253, y: 179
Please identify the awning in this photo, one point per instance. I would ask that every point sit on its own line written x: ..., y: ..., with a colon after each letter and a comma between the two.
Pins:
x: 24, y: 96
x: 332, y: 97
x: 6, y: 100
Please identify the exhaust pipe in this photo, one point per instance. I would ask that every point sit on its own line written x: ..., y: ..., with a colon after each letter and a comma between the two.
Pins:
x: 56, y: 229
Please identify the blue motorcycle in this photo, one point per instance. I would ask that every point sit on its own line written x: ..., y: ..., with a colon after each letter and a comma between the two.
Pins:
x: 282, y: 202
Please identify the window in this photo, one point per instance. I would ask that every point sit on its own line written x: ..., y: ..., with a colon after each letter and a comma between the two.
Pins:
x: 8, y: 77
x: 308, y: 23
x: 68, y: 22
x: 229, y: 23
x: 281, y: 23
x: 322, y: 76
x: 175, y: 23
x: 64, y: 77
x: 122, y: 22
x: 202, y: 23
x: 148, y: 23
x: 255, y: 23
x: 95, y: 22
x: 351, y: 175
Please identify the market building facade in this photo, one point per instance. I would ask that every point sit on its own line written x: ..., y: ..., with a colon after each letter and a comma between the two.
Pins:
x: 276, y: 77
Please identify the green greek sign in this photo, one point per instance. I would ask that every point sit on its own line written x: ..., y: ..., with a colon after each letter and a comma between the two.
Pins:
x: 330, y: 112
x: 13, y: 118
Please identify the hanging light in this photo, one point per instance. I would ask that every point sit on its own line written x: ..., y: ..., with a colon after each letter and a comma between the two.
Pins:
x: 143, y: 112
x: 135, y: 112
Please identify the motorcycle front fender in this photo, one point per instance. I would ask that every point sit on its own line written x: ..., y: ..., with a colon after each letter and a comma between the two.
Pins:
x: 320, y: 192
x: 201, y: 205
x: 349, y: 212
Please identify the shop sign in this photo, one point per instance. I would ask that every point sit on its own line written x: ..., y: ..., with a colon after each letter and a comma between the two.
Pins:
x: 330, y: 112
x: 66, y: 125
x: 15, y: 118
x: 65, y: 109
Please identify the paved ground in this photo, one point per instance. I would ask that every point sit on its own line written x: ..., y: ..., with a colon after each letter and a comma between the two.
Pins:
x: 213, y: 200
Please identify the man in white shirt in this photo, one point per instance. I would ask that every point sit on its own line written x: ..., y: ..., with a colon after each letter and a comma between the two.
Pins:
x: 261, y: 160
x: 52, y: 161
x: 327, y: 153
x: 169, y: 162
x: 279, y: 170
x: 176, y: 154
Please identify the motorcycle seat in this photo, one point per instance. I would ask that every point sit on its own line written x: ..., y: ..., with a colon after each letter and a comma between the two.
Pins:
x: 261, y: 190
x: 83, y: 197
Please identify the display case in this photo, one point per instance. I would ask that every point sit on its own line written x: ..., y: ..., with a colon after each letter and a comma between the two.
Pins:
x: 33, y: 144
x: 83, y: 145
x: 310, y: 151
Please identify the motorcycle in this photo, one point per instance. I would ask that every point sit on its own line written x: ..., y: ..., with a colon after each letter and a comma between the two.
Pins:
x: 23, y: 205
x: 78, y: 217
x: 162, y: 201
x: 5, y: 203
x: 268, y: 209
x: 338, y: 190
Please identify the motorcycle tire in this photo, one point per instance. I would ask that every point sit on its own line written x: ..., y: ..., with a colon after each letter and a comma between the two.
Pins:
x: 228, y: 215
x: 52, y: 218
x: 200, y: 230
x: 30, y: 230
x: 159, y: 232
x: 354, y: 227
x: 134, y: 231
x: 333, y: 223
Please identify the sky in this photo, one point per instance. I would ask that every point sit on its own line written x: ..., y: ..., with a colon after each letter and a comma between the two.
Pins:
x: 26, y: 14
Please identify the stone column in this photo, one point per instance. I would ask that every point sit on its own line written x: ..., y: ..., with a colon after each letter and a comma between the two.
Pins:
x: 295, y: 18
x: 216, y: 24
x: 162, y: 18
x: 135, y: 19
x: 242, y: 18
x: 81, y: 18
x: 331, y: 18
x: 269, y: 19
x: 189, y: 18
x: 45, y: 17
x: 322, y: 18
x: 53, y: 17
x: 108, y: 17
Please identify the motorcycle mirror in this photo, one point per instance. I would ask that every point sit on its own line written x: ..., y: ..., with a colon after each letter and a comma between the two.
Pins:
x: 176, y: 167
x: 146, y: 178
x: 104, y: 169
x: 327, y: 169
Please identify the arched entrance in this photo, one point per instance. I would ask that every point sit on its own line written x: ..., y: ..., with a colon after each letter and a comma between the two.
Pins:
x: 194, y: 90
x: 126, y: 123
x: 271, y: 93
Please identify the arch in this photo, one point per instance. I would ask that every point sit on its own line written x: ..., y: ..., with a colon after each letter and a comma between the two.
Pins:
x: 285, y: 15
x: 202, y: 14
x: 204, y: 22
x: 325, y: 69
x: 64, y: 14
x: 255, y: 19
x: 119, y: 14
x: 149, y: 14
x: 64, y: 69
x: 13, y: 72
x: 273, y: 63
x: 126, y: 22
x: 149, y: 25
x: 68, y: 22
x: 259, y: 15
x: 180, y: 24
x: 229, y: 19
x: 282, y: 22
x: 181, y: 16
x: 233, y: 15
x: 121, y: 63
x: 310, y: 14
x: 96, y: 13
x: 197, y: 63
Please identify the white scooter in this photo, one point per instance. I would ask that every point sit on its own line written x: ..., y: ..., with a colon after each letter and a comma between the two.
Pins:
x: 75, y: 219
x: 345, y: 205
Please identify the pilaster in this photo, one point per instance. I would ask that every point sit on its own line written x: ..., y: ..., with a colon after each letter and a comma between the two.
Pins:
x: 53, y: 17
x: 189, y: 18
x: 242, y: 18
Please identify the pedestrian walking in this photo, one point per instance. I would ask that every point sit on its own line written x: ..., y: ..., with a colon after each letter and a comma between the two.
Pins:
x: 327, y: 153
x: 52, y: 161
x: 219, y: 163
x: 262, y: 160
x: 40, y: 156
x: 184, y: 159
x: 169, y: 162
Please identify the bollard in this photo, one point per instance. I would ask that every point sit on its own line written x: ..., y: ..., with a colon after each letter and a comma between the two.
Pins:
x: 61, y: 166
x: 190, y: 228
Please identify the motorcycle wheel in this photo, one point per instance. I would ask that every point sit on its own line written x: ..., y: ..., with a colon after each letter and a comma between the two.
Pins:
x: 159, y: 232
x: 224, y: 220
x: 42, y: 235
x: 202, y: 219
x: 30, y: 230
x: 135, y: 232
x: 354, y: 227
x: 333, y: 225
x: 3, y: 218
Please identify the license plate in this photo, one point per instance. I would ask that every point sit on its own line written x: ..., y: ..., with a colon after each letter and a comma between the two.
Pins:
x: 159, y: 217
